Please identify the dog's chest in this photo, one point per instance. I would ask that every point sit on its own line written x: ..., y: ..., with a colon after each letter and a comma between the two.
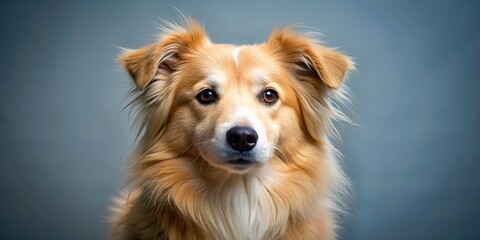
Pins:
x: 245, y: 211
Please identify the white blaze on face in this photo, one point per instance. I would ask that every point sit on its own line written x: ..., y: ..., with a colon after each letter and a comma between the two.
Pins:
x: 245, y: 117
x: 235, y: 55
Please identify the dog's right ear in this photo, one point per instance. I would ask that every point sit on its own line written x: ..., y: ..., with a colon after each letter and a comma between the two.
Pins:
x: 142, y: 64
x: 157, y: 61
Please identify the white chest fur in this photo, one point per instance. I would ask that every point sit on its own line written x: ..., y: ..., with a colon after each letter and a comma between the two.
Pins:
x: 241, y: 208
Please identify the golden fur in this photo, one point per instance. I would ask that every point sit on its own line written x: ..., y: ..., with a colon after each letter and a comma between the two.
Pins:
x: 178, y: 191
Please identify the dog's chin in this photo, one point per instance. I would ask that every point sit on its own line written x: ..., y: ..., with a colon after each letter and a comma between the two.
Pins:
x: 241, y: 165
x: 236, y: 166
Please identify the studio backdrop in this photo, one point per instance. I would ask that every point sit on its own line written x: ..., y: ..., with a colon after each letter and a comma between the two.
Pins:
x: 413, y: 156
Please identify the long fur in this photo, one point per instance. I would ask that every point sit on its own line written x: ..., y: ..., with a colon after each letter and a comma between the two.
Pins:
x: 175, y: 194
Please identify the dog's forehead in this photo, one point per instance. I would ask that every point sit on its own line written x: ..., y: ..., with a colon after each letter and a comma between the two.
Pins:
x: 246, y: 57
x: 236, y: 65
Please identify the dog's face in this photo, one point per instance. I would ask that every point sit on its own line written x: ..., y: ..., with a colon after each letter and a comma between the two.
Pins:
x: 236, y: 106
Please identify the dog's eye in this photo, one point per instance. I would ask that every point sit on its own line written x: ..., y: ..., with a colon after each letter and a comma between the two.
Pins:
x: 269, y: 96
x: 206, y: 96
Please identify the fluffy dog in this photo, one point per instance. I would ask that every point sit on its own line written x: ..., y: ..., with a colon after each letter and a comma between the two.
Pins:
x: 233, y: 140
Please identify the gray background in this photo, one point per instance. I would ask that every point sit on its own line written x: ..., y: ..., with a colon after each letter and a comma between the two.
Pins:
x: 414, y: 161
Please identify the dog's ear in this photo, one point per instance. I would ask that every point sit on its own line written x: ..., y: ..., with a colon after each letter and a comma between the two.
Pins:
x: 152, y: 69
x: 318, y: 69
x: 157, y: 61
x: 309, y: 59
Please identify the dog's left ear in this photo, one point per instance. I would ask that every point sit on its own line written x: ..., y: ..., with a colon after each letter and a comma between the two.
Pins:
x: 318, y: 69
x: 309, y: 59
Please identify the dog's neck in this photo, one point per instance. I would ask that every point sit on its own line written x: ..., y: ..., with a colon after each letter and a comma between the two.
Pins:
x: 258, y: 205
x: 242, y: 207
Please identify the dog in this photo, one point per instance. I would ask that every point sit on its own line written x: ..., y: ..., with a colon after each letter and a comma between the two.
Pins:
x: 233, y: 140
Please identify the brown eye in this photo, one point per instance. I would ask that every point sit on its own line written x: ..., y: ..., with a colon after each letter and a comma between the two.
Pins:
x: 269, y: 96
x: 206, y: 96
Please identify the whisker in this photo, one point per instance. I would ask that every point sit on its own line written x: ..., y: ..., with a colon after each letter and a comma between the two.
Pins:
x: 198, y: 156
x: 280, y: 151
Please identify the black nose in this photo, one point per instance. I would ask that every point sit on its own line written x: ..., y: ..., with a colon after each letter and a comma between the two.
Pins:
x: 242, y: 139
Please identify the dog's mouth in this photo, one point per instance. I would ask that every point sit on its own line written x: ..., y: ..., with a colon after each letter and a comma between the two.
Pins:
x: 225, y: 158
x: 241, y: 163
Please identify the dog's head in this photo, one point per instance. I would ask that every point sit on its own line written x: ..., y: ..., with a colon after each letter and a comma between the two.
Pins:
x: 235, y: 107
